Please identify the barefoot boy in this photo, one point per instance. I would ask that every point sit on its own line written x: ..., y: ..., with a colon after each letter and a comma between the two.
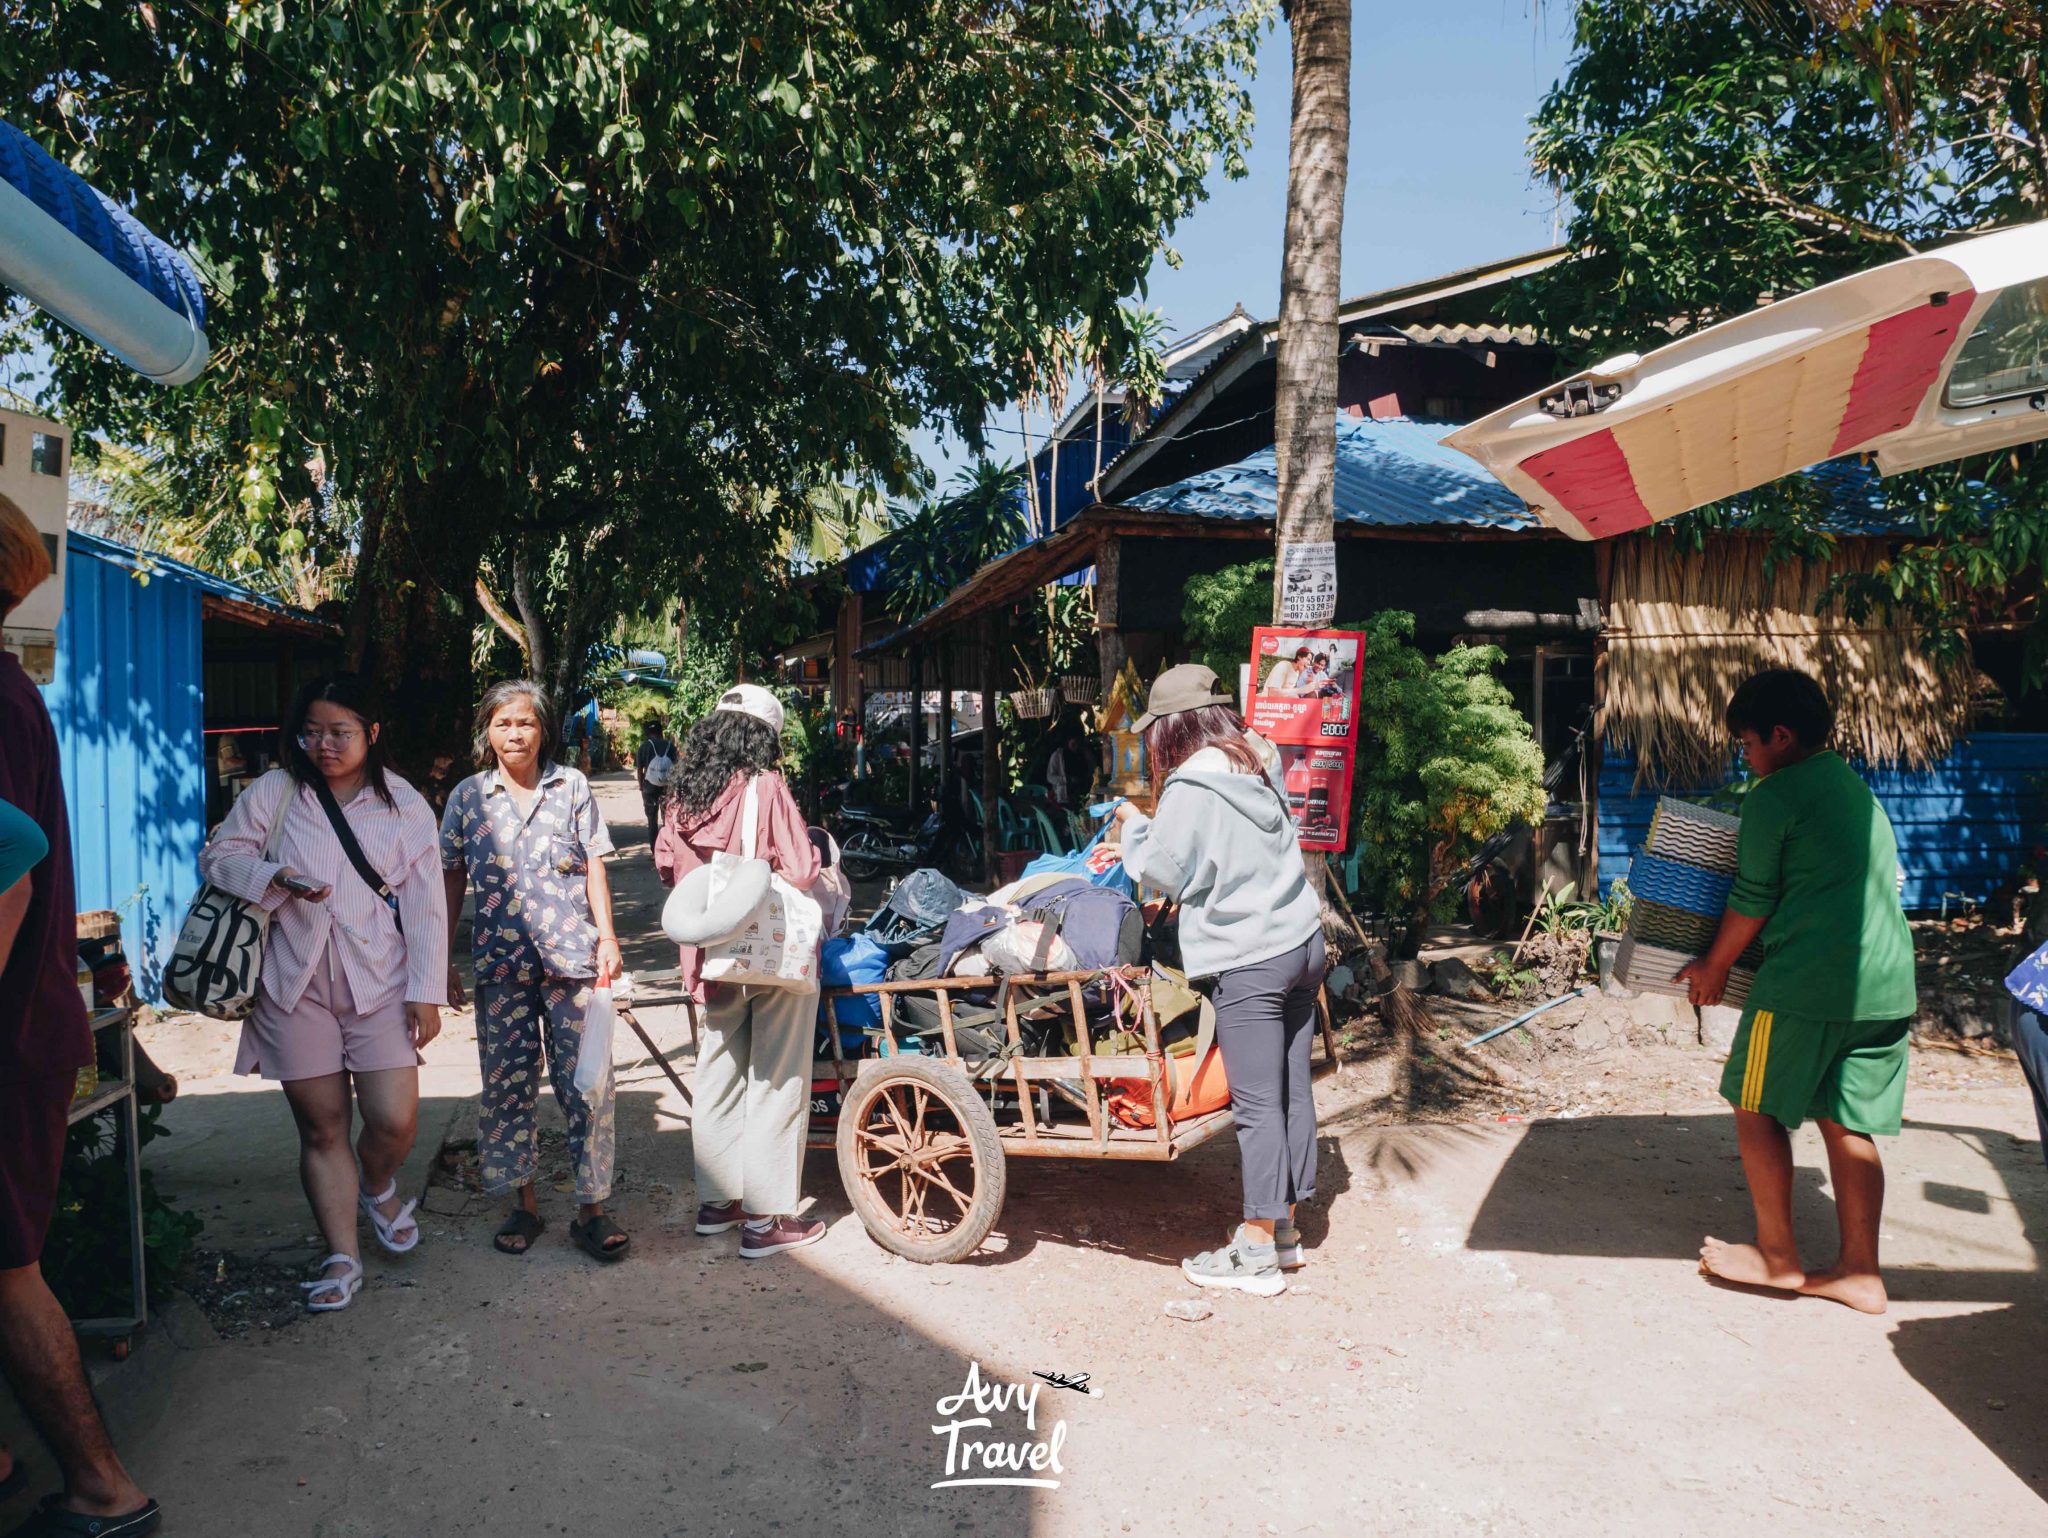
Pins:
x: 1823, y: 1031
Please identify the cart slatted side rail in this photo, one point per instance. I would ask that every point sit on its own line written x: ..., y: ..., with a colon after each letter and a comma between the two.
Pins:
x: 1029, y: 1136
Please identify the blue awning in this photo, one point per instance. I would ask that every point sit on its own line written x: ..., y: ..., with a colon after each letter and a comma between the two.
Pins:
x: 73, y: 252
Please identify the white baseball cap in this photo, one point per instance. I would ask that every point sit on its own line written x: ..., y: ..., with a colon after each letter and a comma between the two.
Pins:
x: 753, y: 700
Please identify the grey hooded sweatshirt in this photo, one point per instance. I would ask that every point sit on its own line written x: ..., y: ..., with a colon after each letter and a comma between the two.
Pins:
x: 1223, y: 845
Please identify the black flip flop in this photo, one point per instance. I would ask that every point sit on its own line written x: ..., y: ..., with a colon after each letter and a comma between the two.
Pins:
x: 52, y: 1520
x: 521, y: 1225
x: 590, y: 1237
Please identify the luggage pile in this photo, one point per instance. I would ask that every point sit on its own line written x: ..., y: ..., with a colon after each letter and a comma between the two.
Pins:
x: 1066, y: 913
x: 1680, y: 880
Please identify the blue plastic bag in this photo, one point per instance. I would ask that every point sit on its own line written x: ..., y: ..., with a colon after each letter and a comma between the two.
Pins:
x: 1099, y: 864
x: 842, y: 962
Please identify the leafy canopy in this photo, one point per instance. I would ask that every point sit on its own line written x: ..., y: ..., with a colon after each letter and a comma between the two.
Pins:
x: 599, y: 274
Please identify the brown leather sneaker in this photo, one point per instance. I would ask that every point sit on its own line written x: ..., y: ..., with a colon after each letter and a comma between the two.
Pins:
x: 785, y: 1233
x: 717, y: 1217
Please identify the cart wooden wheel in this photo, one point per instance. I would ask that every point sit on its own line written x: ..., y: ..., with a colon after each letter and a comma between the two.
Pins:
x: 921, y: 1160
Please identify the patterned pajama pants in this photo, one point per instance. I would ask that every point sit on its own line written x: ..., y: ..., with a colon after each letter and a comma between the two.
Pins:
x: 517, y: 1021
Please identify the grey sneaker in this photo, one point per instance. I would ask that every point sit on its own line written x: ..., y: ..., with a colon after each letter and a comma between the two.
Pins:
x: 1253, y: 1268
x: 1287, y: 1240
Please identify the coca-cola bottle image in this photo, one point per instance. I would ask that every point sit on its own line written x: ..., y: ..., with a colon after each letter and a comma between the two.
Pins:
x: 1316, y: 821
x: 1298, y: 789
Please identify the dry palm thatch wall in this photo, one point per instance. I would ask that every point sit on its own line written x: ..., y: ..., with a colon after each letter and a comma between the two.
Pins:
x: 1685, y: 627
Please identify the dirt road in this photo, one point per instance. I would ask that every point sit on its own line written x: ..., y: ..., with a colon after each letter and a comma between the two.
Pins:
x: 1501, y: 1331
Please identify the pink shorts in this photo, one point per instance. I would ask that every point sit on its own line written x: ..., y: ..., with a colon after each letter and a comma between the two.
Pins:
x: 323, y: 1033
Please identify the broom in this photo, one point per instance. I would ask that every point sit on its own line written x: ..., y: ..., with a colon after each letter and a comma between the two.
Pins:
x: 1398, y: 1005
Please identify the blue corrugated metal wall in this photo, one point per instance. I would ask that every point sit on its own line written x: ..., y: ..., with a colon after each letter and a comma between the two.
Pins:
x: 1963, y: 826
x: 127, y: 704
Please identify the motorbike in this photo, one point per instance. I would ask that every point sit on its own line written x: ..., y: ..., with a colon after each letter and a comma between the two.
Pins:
x: 878, y: 839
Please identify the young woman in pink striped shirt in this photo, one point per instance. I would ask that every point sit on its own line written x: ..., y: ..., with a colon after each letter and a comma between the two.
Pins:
x: 354, y: 972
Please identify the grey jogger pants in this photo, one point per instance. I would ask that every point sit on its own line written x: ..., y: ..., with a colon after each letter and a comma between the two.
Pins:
x: 2030, y: 1044
x: 754, y: 1097
x: 1265, y: 1018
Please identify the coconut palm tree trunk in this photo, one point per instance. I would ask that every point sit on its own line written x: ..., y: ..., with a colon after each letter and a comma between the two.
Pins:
x: 1305, y: 418
x: 1305, y: 415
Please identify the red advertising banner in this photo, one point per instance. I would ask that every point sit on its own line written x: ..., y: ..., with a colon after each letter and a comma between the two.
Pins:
x: 1305, y: 702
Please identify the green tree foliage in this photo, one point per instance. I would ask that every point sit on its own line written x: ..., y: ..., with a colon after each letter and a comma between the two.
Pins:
x: 1716, y: 155
x: 569, y: 285
x: 1445, y: 761
x: 945, y: 541
x: 1220, y: 611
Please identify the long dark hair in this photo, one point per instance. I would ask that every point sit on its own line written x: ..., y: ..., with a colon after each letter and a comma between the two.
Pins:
x: 354, y: 694
x: 1172, y: 740
x: 723, y: 744
x: 495, y: 699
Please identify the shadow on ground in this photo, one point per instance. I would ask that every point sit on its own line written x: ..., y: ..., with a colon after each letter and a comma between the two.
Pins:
x: 1637, y: 1186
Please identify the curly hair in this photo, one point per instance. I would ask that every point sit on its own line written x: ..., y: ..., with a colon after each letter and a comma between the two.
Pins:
x: 723, y: 744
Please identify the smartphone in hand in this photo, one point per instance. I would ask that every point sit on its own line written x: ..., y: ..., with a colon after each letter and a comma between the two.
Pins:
x: 302, y: 886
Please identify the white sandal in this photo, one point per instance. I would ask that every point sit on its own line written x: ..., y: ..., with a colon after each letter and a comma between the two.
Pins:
x: 347, y: 1285
x: 386, y: 1227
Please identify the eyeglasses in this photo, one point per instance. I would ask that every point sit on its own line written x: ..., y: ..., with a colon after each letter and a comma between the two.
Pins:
x: 341, y: 738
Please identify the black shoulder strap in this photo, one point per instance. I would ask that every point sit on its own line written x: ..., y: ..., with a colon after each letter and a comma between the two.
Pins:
x: 354, y: 850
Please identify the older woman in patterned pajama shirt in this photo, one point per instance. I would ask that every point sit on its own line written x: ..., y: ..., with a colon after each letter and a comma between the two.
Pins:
x: 527, y: 834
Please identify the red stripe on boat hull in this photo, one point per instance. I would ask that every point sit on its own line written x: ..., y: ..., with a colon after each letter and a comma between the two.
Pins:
x: 1899, y: 367
x: 1591, y: 480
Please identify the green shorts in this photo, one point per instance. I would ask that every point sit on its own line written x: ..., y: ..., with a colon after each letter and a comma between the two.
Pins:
x: 1791, y: 1067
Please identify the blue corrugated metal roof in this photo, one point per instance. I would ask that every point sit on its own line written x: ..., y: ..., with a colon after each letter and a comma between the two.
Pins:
x: 102, y: 224
x: 1389, y: 474
x: 159, y: 565
x: 1398, y: 473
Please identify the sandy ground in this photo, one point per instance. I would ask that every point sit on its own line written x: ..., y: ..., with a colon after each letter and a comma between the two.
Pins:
x: 1501, y: 1331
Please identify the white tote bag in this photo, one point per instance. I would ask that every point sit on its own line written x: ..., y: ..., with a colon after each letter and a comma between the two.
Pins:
x: 778, y: 946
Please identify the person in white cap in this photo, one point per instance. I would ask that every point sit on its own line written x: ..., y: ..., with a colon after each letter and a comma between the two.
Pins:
x: 753, y: 1064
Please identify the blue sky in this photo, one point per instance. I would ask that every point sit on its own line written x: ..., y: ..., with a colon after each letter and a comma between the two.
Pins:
x: 1441, y: 94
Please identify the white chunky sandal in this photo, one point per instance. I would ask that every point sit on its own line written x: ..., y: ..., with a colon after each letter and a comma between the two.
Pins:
x: 386, y: 1227
x: 344, y: 1287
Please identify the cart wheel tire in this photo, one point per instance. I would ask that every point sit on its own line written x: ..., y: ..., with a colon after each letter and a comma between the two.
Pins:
x: 924, y: 1189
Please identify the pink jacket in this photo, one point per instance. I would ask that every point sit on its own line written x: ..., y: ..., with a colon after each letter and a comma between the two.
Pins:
x: 401, y: 842
x: 783, y: 840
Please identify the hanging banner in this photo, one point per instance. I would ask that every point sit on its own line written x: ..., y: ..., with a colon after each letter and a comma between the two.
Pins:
x: 1308, y: 584
x: 1305, y: 702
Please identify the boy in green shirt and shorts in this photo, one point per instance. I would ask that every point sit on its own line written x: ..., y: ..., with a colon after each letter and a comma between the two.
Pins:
x: 1824, y: 1030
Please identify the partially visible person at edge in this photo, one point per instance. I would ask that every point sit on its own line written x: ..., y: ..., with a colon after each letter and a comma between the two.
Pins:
x: 754, y: 1063
x: 655, y: 744
x: 1220, y: 842
x: 355, y: 968
x: 1825, y: 1027
x: 526, y: 832
x: 44, y: 1041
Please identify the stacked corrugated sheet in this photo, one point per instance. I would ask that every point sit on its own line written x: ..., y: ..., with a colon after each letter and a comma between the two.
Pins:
x: 1680, y: 881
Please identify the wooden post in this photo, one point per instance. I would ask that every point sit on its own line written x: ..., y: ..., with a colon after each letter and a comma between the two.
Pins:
x: 1109, y: 640
x: 916, y: 729
x: 1596, y: 736
x: 945, y: 722
x: 995, y: 635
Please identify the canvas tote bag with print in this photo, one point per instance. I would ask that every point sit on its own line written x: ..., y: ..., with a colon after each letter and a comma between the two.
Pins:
x: 778, y: 946
x: 217, y: 963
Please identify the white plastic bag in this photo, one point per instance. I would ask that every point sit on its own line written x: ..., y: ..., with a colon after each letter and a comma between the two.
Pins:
x: 594, y: 1052
x: 778, y: 946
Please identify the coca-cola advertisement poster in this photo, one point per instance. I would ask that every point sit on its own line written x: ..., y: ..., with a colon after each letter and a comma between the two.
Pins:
x: 1305, y: 702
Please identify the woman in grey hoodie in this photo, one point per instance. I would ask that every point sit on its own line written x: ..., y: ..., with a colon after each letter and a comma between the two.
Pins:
x: 1221, y: 843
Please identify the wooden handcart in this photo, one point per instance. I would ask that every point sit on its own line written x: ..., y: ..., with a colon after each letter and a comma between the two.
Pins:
x: 922, y: 1150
